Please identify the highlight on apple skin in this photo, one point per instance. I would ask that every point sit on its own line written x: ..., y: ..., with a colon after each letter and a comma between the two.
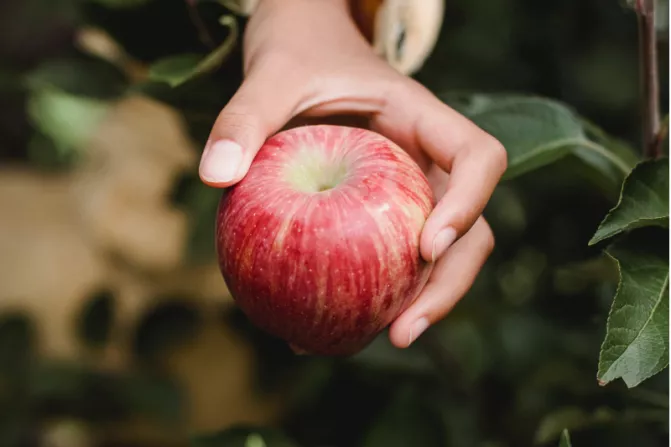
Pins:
x: 319, y: 243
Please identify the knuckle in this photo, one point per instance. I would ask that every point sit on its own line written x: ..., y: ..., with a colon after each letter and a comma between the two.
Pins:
x: 497, y: 152
x: 236, y: 122
x: 488, y: 239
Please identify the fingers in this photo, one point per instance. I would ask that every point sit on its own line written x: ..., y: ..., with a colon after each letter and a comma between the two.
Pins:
x: 475, y: 160
x: 477, y: 166
x: 258, y: 109
x: 452, y: 277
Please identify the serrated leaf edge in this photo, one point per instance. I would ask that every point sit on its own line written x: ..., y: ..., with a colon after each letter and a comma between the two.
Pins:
x: 610, y: 313
x: 594, y: 240
x: 633, y: 224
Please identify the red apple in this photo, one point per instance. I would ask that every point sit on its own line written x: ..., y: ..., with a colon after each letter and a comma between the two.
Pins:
x: 319, y: 243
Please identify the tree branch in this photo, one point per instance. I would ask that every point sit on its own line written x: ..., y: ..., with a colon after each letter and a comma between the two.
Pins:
x: 645, y: 10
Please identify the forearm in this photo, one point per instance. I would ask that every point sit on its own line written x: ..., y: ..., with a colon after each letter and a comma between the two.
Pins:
x: 302, y: 29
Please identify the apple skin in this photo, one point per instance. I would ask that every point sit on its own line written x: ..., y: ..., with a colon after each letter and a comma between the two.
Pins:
x: 319, y: 243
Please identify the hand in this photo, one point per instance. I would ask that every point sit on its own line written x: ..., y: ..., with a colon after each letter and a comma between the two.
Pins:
x: 307, y: 58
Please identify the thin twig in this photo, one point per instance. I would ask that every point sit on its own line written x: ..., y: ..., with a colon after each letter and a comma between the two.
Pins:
x: 645, y: 10
x: 197, y: 20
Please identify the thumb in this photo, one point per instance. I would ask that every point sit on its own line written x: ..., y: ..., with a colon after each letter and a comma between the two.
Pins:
x: 257, y: 110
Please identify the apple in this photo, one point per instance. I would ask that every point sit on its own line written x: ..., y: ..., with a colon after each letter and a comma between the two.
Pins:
x: 319, y: 242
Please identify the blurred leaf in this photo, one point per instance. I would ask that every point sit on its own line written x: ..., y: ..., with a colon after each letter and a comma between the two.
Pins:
x: 162, y: 329
x: 57, y: 381
x: 43, y: 152
x: 570, y: 418
x: 650, y: 397
x: 519, y: 276
x: 67, y: 119
x: 96, y: 320
x: 239, y: 7
x: 644, y: 201
x: 406, y: 421
x: 82, y: 76
x: 177, y: 70
x: 243, y: 436
x: 637, y: 336
x: 565, y: 439
x: 535, y: 131
x: 255, y: 440
x: 16, y: 343
x: 578, y: 276
x: 96, y: 395
x: 153, y: 397
x: 577, y: 419
x: 612, y: 172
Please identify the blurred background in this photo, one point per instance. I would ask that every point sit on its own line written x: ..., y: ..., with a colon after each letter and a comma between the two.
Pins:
x: 116, y: 329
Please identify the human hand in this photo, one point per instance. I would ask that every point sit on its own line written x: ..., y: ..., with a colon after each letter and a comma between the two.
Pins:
x: 306, y: 58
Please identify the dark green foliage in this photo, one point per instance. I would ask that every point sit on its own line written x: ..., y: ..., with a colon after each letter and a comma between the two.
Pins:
x: 243, y: 437
x: 163, y: 328
x: 96, y: 319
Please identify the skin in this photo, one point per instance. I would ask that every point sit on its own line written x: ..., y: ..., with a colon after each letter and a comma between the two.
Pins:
x: 305, y: 59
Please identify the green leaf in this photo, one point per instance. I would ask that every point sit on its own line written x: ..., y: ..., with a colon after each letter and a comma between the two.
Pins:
x: 67, y: 119
x: 17, y: 340
x: 536, y: 132
x: 176, y: 70
x: 555, y: 424
x: 612, y: 173
x: 244, y: 436
x: 94, y: 325
x: 565, y: 439
x: 637, y: 335
x: 255, y: 440
x: 85, y: 77
x: 644, y: 201
x: 100, y: 395
x: 170, y: 324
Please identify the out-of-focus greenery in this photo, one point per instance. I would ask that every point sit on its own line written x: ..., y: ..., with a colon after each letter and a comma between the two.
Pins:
x: 515, y: 364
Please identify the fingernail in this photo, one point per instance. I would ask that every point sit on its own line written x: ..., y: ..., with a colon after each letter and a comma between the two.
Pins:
x: 417, y: 328
x: 442, y: 242
x: 221, y: 161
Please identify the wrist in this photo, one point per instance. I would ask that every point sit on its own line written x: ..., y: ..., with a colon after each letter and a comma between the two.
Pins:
x: 343, y: 4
